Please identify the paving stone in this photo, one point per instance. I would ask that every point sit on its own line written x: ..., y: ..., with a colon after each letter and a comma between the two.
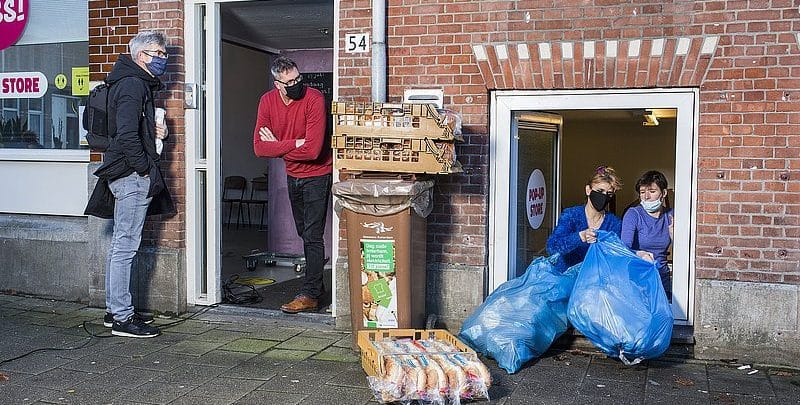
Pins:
x: 734, y: 381
x: 287, y: 355
x: 663, y: 399
x: 94, y: 393
x: 615, y: 391
x: 260, y: 368
x: 58, y: 379
x: 226, y: 388
x: 614, y: 400
x: 670, y: 379
x: 171, y: 338
x: 222, y: 358
x: 221, y: 336
x: 346, y: 342
x: 339, y: 354
x: 161, y: 361
x: 353, y: 376
x: 13, y: 378
x: 59, y: 307
x: 517, y: 399
x: 339, y: 396
x: 191, y: 400
x: 191, y: 327
x: 19, y: 394
x: 279, y: 333
x: 306, y: 343
x: 268, y: 397
x: 94, y: 347
x: 157, y: 392
x: 127, y: 377
x: 195, y: 400
x: 192, y: 347
x: 249, y: 345
x: 96, y: 363
x: 299, y: 380
x: 610, y: 369
x: 193, y: 374
x: 35, y: 363
x: 786, y: 387
x: 739, y: 399
x: 561, y: 359
x: 133, y: 348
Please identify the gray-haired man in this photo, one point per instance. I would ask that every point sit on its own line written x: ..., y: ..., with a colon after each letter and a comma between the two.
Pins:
x: 131, y: 171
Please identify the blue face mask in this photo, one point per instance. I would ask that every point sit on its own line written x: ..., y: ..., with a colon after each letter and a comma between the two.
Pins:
x: 157, y: 66
x: 651, y: 206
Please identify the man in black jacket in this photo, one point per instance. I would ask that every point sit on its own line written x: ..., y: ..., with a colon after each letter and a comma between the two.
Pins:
x: 131, y: 172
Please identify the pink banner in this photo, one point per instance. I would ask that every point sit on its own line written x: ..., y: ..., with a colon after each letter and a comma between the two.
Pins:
x: 13, y: 17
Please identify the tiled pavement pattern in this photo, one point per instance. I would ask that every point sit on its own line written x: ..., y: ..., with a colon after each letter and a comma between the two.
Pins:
x: 225, y: 356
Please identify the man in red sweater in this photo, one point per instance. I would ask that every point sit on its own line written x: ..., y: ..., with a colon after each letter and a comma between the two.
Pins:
x: 291, y: 125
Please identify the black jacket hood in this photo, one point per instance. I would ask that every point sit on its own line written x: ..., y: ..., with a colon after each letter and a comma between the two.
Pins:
x: 126, y: 67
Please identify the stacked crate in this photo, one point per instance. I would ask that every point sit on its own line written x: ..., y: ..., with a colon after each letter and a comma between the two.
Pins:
x: 405, y: 138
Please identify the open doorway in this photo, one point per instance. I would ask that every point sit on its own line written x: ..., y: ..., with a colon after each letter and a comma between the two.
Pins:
x: 546, y: 146
x: 262, y: 263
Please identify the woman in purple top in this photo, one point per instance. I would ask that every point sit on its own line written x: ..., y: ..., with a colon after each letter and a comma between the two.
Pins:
x: 577, y: 226
x: 648, y: 227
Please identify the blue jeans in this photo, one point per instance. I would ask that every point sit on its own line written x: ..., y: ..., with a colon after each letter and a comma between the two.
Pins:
x: 309, y: 198
x: 130, y: 210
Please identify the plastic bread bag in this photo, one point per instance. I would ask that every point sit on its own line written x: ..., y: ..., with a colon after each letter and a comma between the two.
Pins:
x: 404, y: 381
x: 523, y: 317
x: 619, y: 304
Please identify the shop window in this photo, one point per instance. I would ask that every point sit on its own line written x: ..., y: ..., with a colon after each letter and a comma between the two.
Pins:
x: 49, y: 122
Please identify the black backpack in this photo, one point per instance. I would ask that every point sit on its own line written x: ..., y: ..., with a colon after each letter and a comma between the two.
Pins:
x: 95, y: 118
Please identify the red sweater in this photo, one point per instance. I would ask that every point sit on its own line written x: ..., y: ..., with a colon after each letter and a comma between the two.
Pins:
x: 304, y: 118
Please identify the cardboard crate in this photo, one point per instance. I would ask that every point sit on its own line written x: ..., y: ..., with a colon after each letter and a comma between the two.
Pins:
x: 390, y: 154
x: 370, y: 360
x: 416, y: 121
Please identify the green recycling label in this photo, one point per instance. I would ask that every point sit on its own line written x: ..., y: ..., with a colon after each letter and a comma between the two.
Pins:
x: 381, y: 293
x: 378, y: 255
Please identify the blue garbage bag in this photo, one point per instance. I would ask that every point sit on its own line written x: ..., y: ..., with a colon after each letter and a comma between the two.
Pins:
x: 619, y: 304
x: 521, y: 318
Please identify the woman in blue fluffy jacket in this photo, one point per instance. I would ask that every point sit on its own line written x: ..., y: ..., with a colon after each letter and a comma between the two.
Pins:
x: 577, y: 226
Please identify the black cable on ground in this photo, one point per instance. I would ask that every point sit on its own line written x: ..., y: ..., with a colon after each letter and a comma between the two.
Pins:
x: 245, y: 297
x: 103, y: 336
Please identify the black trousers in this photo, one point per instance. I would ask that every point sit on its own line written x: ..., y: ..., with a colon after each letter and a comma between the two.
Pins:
x: 309, y: 198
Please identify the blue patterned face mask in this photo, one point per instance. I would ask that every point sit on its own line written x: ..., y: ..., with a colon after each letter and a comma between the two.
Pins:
x: 157, y: 66
x: 651, y: 206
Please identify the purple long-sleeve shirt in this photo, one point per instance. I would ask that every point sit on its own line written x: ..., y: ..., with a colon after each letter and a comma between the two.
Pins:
x: 640, y: 231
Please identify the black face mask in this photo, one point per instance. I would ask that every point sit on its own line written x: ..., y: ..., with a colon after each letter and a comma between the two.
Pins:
x: 598, y: 200
x: 296, y: 91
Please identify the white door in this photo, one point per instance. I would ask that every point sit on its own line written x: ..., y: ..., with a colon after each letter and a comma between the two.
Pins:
x: 504, y: 171
x: 203, y: 253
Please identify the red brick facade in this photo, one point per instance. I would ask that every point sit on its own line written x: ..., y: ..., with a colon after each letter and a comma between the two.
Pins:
x: 747, y: 203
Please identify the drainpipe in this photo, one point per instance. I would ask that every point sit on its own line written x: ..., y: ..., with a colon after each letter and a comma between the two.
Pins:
x: 379, y: 51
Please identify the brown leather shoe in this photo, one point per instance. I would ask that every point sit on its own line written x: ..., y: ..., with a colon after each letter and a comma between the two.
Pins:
x: 301, y: 303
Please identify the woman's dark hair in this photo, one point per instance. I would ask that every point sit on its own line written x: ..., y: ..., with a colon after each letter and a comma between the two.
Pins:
x: 650, y: 177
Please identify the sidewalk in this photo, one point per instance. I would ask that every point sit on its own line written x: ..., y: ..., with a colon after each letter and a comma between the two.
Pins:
x: 229, y: 355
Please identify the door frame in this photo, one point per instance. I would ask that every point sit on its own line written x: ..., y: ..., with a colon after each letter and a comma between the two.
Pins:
x: 503, y: 104
x: 209, y: 23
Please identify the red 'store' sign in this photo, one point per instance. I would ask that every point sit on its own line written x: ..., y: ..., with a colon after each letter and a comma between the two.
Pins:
x: 13, y: 17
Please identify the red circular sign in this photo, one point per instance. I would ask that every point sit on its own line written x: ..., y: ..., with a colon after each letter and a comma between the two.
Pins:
x: 13, y: 17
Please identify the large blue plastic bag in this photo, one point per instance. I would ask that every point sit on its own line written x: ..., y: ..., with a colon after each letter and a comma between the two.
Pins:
x: 619, y: 304
x: 521, y: 318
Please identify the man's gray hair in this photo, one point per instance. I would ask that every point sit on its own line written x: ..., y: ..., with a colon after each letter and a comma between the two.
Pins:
x: 282, y: 65
x: 145, y: 38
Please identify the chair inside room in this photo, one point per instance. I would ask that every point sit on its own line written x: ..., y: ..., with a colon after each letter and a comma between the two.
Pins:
x: 258, y: 198
x: 233, y: 190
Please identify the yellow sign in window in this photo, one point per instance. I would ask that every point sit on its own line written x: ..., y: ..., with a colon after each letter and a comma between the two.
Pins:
x: 80, y: 81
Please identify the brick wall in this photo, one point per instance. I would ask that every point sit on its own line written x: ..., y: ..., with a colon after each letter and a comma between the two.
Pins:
x: 112, y: 23
x: 748, y: 207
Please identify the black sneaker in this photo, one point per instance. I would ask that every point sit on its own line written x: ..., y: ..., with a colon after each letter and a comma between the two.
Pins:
x: 134, y: 328
x: 108, y: 319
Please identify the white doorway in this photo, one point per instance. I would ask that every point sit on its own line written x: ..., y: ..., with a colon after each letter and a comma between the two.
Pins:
x: 511, y: 131
x: 213, y: 28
